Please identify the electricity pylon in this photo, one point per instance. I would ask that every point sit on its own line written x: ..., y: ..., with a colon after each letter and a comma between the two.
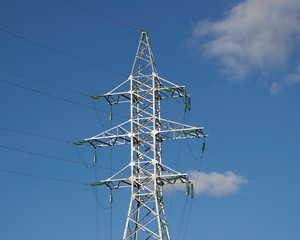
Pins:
x: 145, y: 131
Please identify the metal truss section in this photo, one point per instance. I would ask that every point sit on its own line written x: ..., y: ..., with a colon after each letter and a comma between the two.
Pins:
x: 173, y: 91
x: 118, y: 135
x: 169, y: 130
x: 145, y: 131
x: 168, y: 176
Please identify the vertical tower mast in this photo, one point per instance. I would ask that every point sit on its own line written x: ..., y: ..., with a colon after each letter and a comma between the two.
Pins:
x: 145, y: 149
x: 145, y: 131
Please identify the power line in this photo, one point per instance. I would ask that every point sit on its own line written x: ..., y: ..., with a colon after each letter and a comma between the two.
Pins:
x: 98, y: 201
x: 97, y: 113
x: 86, y: 165
x: 35, y: 135
x: 191, y: 152
x: 53, y: 157
x: 96, y: 196
x: 43, y: 82
x: 173, y: 186
x: 62, y: 53
x: 181, y: 222
x: 46, y: 137
x: 198, y: 173
x: 44, y: 177
x: 56, y: 97
x: 47, y: 94
x: 191, y: 206
x: 111, y: 210
x: 40, y: 154
x: 52, y: 85
x: 105, y: 16
x: 176, y: 167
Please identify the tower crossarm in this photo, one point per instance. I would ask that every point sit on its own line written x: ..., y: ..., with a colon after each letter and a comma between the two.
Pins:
x: 124, y: 97
x: 166, y: 89
x: 141, y: 178
x: 170, y: 130
x: 118, y: 135
x: 117, y: 95
x: 116, y: 98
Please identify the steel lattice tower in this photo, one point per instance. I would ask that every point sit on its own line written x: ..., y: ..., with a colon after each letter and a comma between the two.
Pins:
x: 145, y: 131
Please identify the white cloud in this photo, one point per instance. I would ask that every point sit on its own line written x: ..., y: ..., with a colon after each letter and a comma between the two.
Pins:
x: 275, y: 88
x: 293, y: 78
x: 214, y: 183
x: 253, y: 35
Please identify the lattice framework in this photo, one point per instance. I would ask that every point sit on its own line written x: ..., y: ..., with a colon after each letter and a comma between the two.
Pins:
x: 145, y: 131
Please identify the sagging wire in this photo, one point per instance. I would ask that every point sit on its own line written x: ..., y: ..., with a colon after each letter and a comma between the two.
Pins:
x: 96, y: 194
x: 43, y: 82
x: 53, y: 96
x: 80, y: 158
x: 98, y: 201
x: 191, y: 152
x: 98, y: 116
x: 44, y: 177
x: 186, y: 107
x: 111, y: 213
x: 105, y: 16
x: 183, y: 213
x: 61, y: 52
x: 43, y: 155
x: 197, y: 178
x: 173, y: 186
x: 111, y: 196
x: 35, y: 135
x: 52, y: 157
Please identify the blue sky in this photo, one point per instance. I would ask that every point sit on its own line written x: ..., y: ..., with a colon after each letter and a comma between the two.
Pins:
x: 240, y: 63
